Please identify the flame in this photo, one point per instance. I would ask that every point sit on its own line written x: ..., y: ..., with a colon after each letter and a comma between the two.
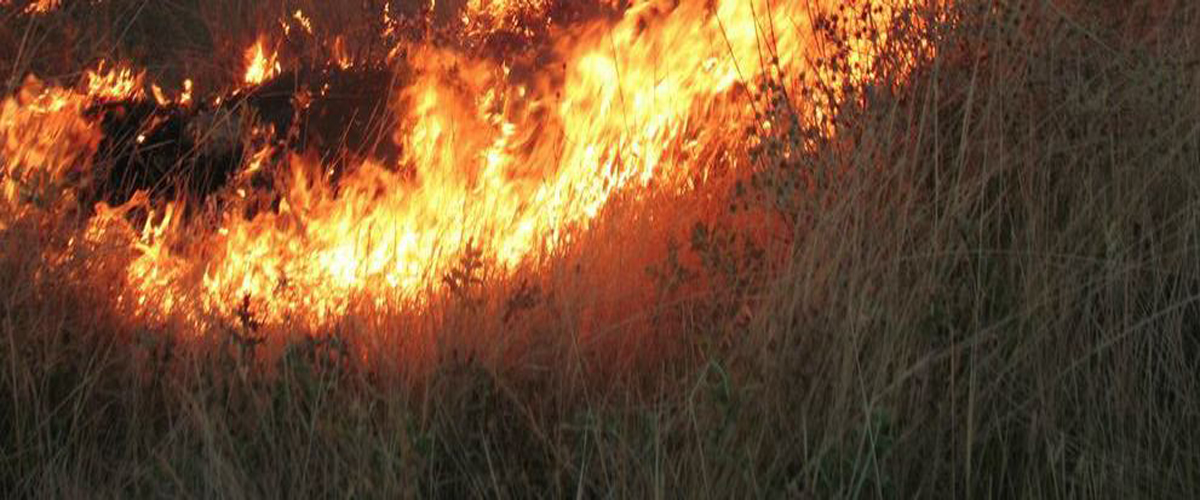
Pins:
x: 339, y: 53
x: 43, y: 138
x: 43, y: 6
x: 118, y: 83
x: 499, y: 161
x: 304, y: 21
x: 261, y: 65
x: 185, y: 97
x: 492, y: 14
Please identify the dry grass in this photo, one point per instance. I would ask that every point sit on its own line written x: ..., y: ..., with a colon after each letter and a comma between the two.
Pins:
x: 993, y: 292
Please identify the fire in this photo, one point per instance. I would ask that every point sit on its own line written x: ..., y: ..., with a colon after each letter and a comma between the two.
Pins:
x: 41, y: 6
x: 185, y: 97
x: 492, y: 14
x: 304, y: 21
x: 43, y: 139
x: 500, y: 159
x: 119, y: 82
x: 261, y: 65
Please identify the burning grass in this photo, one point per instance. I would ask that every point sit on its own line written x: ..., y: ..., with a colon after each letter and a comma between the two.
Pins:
x: 944, y: 250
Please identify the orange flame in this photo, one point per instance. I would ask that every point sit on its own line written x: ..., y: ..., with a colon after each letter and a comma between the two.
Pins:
x: 261, y: 65
x: 43, y: 137
x: 119, y: 82
x: 508, y: 164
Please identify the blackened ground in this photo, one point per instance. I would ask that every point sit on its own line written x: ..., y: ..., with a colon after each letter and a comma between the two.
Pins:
x: 189, y: 153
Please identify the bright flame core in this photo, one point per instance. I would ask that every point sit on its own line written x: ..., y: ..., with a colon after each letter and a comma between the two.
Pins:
x: 261, y: 64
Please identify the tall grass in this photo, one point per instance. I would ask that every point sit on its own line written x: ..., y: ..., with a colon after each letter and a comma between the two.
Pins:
x: 986, y: 284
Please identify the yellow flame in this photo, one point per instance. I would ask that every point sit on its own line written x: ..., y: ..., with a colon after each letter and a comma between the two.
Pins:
x: 117, y: 83
x: 304, y: 21
x: 261, y: 65
x: 43, y: 137
x: 506, y: 164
